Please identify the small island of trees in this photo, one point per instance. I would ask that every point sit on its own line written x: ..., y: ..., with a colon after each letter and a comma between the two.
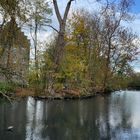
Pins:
x: 89, y: 53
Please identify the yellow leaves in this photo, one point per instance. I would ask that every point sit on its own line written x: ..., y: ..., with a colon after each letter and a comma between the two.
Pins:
x: 71, y: 48
x: 80, y: 27
x: 58, y: 87
x: 57, y: 75
x: 72, y: 63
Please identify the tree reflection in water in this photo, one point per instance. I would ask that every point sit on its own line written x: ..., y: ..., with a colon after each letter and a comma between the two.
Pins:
x: 113, y: 117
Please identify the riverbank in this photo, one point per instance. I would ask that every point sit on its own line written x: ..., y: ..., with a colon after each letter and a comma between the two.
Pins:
x: 63, y: 95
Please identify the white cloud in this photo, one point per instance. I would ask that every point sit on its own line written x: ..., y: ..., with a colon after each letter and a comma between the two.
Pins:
x: 45, y: 36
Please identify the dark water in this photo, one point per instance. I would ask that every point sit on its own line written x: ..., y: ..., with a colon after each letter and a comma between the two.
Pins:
x: 116, y: 117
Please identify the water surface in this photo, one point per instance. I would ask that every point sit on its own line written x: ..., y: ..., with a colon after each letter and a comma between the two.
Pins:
x: 114, y: 117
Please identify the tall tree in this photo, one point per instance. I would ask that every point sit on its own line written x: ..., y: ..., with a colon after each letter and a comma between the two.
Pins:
x: 112, y: 30
x: 11, y: 11
x: 60, y: 43
x: 39, y: 15
x: 106, y: 48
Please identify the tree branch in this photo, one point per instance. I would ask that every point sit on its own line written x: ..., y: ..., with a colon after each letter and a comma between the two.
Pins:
x: 67, y: 10
x: 57, y: 11
x: 7, y: 97
x: 53, y: 28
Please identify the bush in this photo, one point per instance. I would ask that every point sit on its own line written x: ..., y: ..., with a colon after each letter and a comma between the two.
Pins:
x: 7, y: 87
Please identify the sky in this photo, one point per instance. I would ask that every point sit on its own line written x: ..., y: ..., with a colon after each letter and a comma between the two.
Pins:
x: 136, y: 8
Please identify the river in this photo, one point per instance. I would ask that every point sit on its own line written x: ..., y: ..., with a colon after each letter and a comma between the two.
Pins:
x: 113, y: 117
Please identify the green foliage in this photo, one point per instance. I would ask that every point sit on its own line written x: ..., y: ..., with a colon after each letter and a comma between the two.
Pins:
x: 134, y: 81
x: 7, y: 87
x: 39, y: 12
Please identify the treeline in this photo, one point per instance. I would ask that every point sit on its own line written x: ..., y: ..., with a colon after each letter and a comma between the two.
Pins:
x: 91, y: 51
x: 97, y: 55
x: 134, y: 83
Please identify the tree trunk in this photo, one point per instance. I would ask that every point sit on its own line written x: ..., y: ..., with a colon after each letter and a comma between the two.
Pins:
x: 107, y: 68
x: 60, y: 43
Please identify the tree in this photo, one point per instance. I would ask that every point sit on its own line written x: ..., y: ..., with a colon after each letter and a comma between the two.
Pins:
x: 11, y: 11
x: 116, y: 38
x: 60, y: 43
x: 39, y: 13
x: 106, y: 47
x: 11, y: 37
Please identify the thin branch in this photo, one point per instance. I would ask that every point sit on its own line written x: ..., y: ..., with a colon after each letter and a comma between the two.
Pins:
x: 105, y: 8
x: 31, y: 34
x: 53, y: 28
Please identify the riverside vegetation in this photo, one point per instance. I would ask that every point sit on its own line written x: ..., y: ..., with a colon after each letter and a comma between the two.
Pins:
x: 90, y: 53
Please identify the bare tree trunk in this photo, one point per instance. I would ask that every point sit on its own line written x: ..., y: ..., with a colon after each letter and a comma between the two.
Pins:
x: 60, y: 43
x: 106, y: 74
x: 35, y: 43
x: 36, y: 59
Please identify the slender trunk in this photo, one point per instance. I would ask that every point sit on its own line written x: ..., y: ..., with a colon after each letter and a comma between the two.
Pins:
x: 36, y: 59
x: 106, y: 74
x: 35, y: 44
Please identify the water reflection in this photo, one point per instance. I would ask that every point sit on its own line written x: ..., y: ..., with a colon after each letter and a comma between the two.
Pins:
x: 115, y: 117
